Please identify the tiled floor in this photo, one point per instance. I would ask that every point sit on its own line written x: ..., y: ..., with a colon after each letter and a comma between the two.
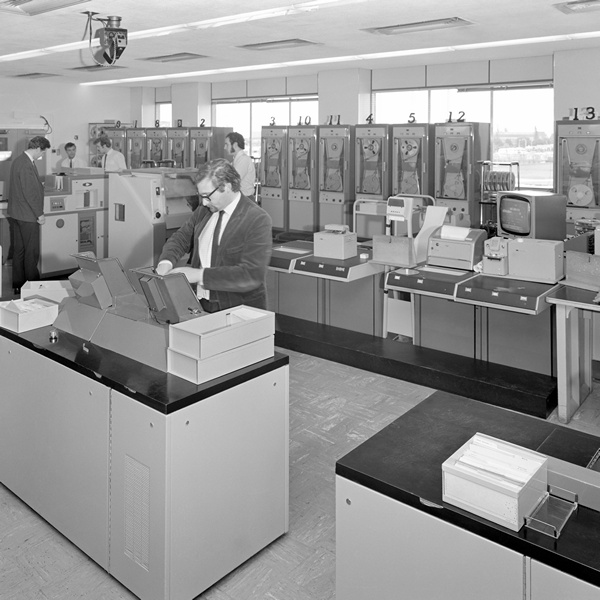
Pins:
x: 333, y: 408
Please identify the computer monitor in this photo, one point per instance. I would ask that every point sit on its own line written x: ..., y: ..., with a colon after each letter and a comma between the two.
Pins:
x: 532, y: 214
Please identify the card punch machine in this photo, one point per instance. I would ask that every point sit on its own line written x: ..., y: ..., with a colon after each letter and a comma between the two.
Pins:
x: 128, y: 315
x: 456, y: 247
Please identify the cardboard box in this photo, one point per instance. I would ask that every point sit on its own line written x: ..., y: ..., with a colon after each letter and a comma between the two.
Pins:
x: 496, y: 480
x: 52, y: 290
x: 216, y: 333
x: 199, y: 371
x: 24, y: 315
x: 331, y: 244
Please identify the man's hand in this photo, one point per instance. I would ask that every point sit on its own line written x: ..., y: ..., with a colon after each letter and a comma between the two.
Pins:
x: 41, y: 220
x: 164, y: 267
x: 193, y: 275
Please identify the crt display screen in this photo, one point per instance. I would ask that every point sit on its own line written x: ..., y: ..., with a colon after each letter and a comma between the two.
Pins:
x: 515, y: 215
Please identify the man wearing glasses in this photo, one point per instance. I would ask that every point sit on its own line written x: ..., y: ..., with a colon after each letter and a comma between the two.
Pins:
x: 230, y: 239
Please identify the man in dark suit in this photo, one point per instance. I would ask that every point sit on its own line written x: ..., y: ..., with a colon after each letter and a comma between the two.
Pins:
x: 229, y: 267
x: 26, y: 211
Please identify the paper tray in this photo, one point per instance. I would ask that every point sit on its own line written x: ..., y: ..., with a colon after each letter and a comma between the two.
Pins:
x: 216, y: 333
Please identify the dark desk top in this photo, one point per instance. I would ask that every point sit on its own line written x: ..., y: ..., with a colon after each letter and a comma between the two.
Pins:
x: 161, y: 391
x: 573, y: 296
x: 404, y: 461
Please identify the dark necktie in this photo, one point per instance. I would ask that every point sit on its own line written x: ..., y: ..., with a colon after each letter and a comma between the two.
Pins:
x: 71, y: 164
x: 215, y: 240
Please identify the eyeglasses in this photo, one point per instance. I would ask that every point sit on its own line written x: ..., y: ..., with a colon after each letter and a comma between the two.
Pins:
x: 207, y: 196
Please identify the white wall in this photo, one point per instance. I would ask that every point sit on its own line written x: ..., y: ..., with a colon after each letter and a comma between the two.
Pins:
x: 67, y: 107
x: 576, y: 81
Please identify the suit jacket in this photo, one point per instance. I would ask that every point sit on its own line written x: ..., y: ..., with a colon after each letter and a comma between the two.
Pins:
x: 240, y: 271
x: 26, y: 192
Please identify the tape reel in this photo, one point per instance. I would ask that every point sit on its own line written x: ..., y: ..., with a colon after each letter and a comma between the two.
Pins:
x: 580, y: 195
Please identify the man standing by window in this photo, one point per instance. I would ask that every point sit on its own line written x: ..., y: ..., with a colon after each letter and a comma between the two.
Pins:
x: 242, y: 163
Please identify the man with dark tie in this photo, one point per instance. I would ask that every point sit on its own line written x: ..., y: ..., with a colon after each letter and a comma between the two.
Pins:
x: 26, y: 212
x: 230, y: 238
x: 72, y: 161
x: 111, y: 160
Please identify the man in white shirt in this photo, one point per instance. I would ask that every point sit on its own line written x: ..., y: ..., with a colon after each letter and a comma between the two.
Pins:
x: 112, y: 160
x: 242, y: 163
x: 72, y: 161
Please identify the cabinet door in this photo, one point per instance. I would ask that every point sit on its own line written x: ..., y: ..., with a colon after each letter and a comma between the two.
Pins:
x: 388, y: 550
x: 58, y: 240
x: 549, y: 584
x: 54, y: 440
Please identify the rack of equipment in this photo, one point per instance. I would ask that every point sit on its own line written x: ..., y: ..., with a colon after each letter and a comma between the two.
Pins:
x: 303, y: 179
x: 336, y: 173
x: 412, y: 159
x: 577, y: 169
x: 495, y: 177
x: 372, y: 178
x: 458, y: 148
x: 274, y: 174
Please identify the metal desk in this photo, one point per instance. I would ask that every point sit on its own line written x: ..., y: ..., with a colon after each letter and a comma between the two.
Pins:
x: 341, y: 293
x: 574, y: 326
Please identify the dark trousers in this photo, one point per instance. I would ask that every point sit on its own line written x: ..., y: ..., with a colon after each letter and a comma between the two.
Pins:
x: 26, y: 252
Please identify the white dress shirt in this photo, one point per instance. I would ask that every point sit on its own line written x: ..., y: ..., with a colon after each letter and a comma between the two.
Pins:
x: 113, y: 161
x: 206, y: 236
x: 78, y: 163
x: 243, y: 164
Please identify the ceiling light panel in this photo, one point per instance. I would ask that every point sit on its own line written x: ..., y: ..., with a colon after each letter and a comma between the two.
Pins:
x: 34, y: 75
x: 577, y: 7
x: 279, y: 45
x: 179, y: 56
x: 420, y: 26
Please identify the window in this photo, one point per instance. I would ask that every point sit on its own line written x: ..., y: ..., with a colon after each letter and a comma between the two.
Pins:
x: 524, y: 132
x: 522, y: 122
x: 164, y: 114
x: 248, y: 118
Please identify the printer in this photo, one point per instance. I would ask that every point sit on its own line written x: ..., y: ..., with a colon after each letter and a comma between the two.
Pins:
x: 456, y: 247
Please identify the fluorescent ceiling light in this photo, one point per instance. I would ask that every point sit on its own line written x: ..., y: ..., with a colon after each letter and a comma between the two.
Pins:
x: 579, y: 6
x: 419, y: 26
x: 279, y: 45
x: 341, y: 59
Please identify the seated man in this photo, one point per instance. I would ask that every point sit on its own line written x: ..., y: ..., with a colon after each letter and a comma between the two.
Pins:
x: 72, y: 161
x: 230, y: 239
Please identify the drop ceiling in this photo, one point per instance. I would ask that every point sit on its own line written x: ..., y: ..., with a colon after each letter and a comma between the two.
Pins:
x: 332, y: 37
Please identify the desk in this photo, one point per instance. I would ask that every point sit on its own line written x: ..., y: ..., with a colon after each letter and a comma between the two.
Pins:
x: 341, y: 293
x: 498, y: 320
x: 167, y: 485
x: 574, y: 327
x: 395, y: 534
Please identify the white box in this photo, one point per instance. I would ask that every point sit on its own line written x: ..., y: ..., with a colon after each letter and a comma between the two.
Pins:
x: 330, y: 244
x: 24, y: 315
x: 215, y: 333
x: 199, y: 371
x: 52, y: 290
x: 481, y: 489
